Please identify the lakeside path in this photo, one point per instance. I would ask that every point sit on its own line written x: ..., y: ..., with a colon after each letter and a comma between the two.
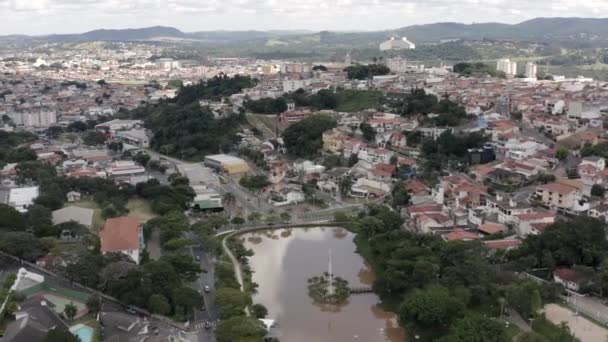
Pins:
x: 235, y: 264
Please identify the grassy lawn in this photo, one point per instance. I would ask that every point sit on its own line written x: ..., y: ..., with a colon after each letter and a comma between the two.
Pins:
x: 89, y: 204
x: 357, y: 100
x: 141, y: 209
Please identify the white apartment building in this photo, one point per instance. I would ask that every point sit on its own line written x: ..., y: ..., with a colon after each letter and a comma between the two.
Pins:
x: 531, y: 70
x: 41, y: 119
x: 293, y: 85
x: 507, y: 66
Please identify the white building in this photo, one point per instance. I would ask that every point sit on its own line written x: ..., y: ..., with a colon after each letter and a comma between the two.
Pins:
x: 41, y: 119
x: 397, y: 64
x: 293, y: 85
x: 531, y: 70
x: 21, y: 198
x: 397, y: 44
x: 507, y: 66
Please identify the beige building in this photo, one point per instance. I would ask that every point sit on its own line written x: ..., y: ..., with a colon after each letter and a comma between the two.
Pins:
x: 229, y: 164
x: 559, y: 196
x: 333, y: 141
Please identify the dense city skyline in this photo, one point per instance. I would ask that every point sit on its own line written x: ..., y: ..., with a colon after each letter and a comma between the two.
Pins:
x: 38, y: 17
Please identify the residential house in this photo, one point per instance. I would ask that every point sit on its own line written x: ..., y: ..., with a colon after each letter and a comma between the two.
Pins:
x: 428, y: 222
x: 460, y: 235
x: 333, y: 141
x: 122, y: 235
x: 383, y: 172
x: 569, y: 278
x: 73, y: 196
x: 560, y: 196
x: 507, y: 210
x: 533, y: 223
x: 600, y: 211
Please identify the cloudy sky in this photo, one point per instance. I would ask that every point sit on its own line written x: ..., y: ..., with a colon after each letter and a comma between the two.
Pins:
x: 71, y: 16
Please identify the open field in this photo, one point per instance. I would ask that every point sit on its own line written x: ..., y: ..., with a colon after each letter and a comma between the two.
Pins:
x: 582, y: 328
x: 141, y: 209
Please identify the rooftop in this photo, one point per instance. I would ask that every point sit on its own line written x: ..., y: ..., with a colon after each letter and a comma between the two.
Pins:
x: 120, y: 234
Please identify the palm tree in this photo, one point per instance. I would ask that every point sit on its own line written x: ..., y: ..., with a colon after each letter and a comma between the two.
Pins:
x: 70, y: 311
x: 228, y: 200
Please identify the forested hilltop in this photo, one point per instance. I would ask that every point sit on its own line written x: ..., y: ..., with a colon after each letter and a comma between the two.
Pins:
x: 185, y: 129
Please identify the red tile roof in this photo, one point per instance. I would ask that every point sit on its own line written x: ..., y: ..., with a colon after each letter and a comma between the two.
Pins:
x: 120, y: 234
x: 460, y: 234
x: 559, y: 188
x: 502, y: 244
x: 492, y: 228
x: 568, y: 274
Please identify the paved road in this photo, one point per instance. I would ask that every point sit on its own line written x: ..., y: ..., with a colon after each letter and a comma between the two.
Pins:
x: 208, y: 313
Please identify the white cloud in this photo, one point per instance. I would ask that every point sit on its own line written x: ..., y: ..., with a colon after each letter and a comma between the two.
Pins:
x: 60, y: 16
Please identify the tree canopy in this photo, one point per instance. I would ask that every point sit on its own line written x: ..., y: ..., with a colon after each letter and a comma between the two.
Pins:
x: 362, y: 72
x: 303, y: 139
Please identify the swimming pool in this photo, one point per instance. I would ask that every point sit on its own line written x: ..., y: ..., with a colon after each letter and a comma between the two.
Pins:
x: 84, y: 332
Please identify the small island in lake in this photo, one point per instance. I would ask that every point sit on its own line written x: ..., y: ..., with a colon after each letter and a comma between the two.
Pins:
x: 327, y: 289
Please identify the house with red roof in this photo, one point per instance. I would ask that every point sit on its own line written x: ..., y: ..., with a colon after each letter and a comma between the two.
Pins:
x: 460, y: 234
x: 561, y: 196
x: 122, y: 235
x: 533, y: 223
x: 571, y: 279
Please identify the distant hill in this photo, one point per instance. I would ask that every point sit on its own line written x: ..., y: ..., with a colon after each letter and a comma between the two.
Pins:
x: 535, y: 29
x: 119, y: 35
x: 593, y: 32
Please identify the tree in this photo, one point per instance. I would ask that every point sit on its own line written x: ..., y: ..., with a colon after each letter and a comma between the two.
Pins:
x: 259, y: 310
x: 228, y: 200
x: 175, y: 84
x: 255, y: 182
x: 319, y: 67
x: 141, y: 158
x: 369, y: 134
x: 159, y: 304
x: 10, y: 218
x: 344, y: 185
x: 77, y: 126
x: 353, y: 159
x: 54, y: 131
x: 362, y: 72
x: 94, y: 138
x: 185, y: 299
x: 115, y: 146
x: 303, y: 139
x: 476, y: 328
x: 58, y: 334
x: 183, y: 264
x: 93, y: 303
x: 240, y: 328
x: 598, y: 190
x: 430, y: 307
x: 231, y: 302
x: 23, y: 245
x: 70, y: 310
x: 562, y: 153
x: 400, y: 194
